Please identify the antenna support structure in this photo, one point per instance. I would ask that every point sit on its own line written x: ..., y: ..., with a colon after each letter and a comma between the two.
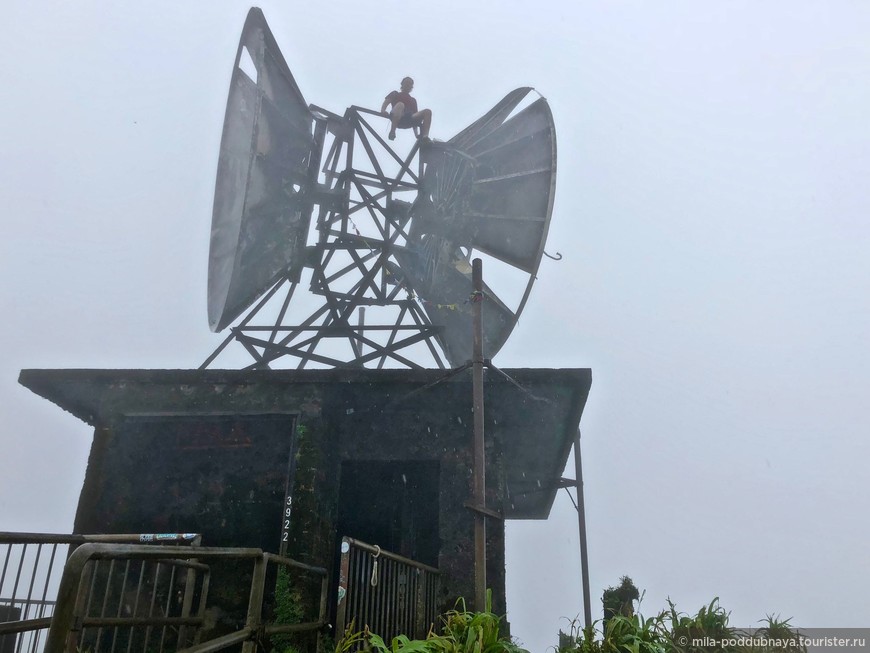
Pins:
x: 333, y: 247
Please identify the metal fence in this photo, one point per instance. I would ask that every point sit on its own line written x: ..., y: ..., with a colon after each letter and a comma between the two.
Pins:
x: 30, y: 574
x: 390, y: 594
x: 125, y: 598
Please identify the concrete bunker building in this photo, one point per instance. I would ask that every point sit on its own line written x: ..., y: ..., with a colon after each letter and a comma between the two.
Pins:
x: 382, y: 456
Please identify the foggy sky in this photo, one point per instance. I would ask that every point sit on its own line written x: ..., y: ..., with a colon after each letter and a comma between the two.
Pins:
x: 711, y: 208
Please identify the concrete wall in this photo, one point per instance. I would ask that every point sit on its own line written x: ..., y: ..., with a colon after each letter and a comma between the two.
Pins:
x: 180, y: 468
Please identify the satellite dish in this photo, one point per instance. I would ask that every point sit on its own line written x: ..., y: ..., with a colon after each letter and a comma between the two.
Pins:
x: 261, y: 214
x: 490, y: 189
x: 394, y: 235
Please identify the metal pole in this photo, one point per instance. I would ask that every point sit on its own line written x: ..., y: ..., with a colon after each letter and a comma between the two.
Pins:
x: 581, y: 520
x: 361, y: 323
x: 479, y: 449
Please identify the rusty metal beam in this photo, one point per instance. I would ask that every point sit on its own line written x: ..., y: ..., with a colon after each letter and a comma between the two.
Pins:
x: 479, y: 473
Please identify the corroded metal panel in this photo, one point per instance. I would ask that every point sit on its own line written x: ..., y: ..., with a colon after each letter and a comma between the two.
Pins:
x: 260, y: 217
x: 512, y: 193
x: 444, y: 287
x: 490, y: 188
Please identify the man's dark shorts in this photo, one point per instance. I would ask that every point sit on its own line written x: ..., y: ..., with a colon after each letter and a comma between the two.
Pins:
x: 408, y: 121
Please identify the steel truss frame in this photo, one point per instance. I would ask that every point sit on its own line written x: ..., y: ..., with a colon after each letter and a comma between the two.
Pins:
x: 361, y: 219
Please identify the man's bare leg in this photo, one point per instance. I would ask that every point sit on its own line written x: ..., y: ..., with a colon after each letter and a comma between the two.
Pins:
x: 425, y: 118
x: 395, y: 117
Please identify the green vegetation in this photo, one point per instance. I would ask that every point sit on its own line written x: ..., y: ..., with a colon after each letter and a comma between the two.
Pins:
x: 620, y: 599
x: 288, y: 610
x: 624, y: 631
x: 461, y: 632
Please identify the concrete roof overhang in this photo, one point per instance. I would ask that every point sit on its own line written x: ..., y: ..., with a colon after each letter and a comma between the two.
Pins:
x: 534, y: 413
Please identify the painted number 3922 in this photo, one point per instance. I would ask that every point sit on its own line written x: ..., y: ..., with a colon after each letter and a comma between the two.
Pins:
x: 285, y: 530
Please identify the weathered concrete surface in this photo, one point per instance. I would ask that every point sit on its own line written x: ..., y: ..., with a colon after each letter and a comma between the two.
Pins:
x: 216, y: 448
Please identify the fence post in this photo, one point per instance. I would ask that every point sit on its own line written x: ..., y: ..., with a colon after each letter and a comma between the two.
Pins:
x: 255, y: 605
x: 341, y: 601
x: 420, y: 608
x: 67, y: 601
x: 322, y: 617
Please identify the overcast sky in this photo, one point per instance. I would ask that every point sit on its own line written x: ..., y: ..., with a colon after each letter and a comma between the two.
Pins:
x: 711, y: 208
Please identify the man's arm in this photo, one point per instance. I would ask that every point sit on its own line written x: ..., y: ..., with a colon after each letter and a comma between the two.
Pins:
x: 387, y: 102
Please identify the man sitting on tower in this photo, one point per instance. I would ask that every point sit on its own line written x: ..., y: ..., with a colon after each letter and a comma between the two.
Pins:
x: 404, y: 114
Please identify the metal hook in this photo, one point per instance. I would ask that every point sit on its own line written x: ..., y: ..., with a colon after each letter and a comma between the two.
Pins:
x: 376, y: 555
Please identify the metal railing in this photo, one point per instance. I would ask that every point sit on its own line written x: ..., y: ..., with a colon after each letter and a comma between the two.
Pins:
x: 121, y: 598
x: 30, y: 569
x: 389, y: 593
x: 72, y: 618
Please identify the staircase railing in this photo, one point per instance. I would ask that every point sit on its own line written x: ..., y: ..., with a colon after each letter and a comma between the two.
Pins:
x: 30, y: 569
x: 121, y: 598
